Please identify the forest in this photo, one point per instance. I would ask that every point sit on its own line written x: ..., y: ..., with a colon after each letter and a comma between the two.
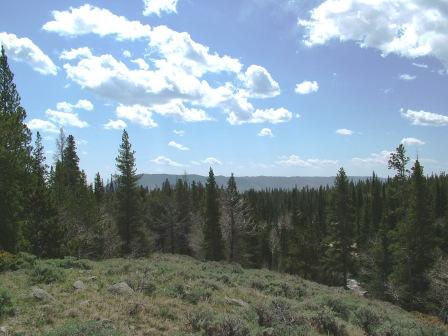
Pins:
x: 389, y: 234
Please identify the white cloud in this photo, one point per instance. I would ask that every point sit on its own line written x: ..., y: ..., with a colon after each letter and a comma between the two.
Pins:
x: 179, y: 132
x: 423, y: 118
x: 271, y: 115
x: 75, y: 53
x: 409, y: 28
x: 172, y: 84
x: 42, y: 125
x: 66, y: 118
x: 259, y: 82
x: 307, y: 87
x: 212, y: 161
x: 265, y: 132
x: 115, y: 124
x: 380, y: 158
x: 127, y: 54
x: 136, y: 113
x: 420, y: 65
x: 141, y: 63
x: 164, y: 161
x: 159, y: 6
x: 407, y: 77
x: 296, y: 161
x: 24, y: 50
x: 412, y: 142
x: 88, y: 19
x: 82, y: 104
x: 178, y: 146
x: 344, y: 131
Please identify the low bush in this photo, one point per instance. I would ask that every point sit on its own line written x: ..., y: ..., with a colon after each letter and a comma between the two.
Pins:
x: 228, y: 325
x: 201, y: 319
x: 6, y: 306
x: 338, y: 306
x: 367, y: 319
x: 278, y: 313
x: 91, y: 328
x: 8, y: 261
x: 42, y: 272
x: 325, y: 323
x: 72, y: 262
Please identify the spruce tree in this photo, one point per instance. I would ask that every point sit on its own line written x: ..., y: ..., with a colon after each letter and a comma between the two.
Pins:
x: 15, y: 159
x: 341, y: 226
x: 415, y: 246
x: 183, y: 217
x: 213, y: 242
x: 98, y: 187
x: 129, y: 207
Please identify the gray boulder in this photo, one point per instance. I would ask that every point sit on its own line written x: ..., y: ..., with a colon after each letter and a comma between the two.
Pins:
x: 121, y: 288
x: 40, y: 294
x: 79, y: 285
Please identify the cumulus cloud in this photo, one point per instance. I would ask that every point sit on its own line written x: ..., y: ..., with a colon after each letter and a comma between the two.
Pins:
x: 75, y: 53
x: 127, y: 54
x: 179, y: 132
x: 136, y: 113
x: 24, y: 50
x: 409, y: 28
x: 42, y: 125
x: 82, y: 104
x: 212, y: 161
x: 407, y: 77
x: 380, y: 158
x: 178, y: 146
x: 159, y: 6
x: 412, y: 142
x: 344, y: 131
x: 259, y: 82
x: 88, y: 19
x: 295, y: 161
x: 141, y: 63
x: 173, y: 84
x: 115, y: 124
x: 423, y: 118
x: 164, y: 161
x: 265, y: 132
x: 66, y: 118
x: 307, y: 87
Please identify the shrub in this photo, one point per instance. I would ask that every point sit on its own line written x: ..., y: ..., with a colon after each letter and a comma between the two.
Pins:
x: 367, y: 319
x: 8, y: 261
x: 228, y: 325
x: 6, y: 306
x: 338, y: 306
x: 278, y: 313
x: 325, y: 323
x: 44, y: 273
x: 200, y: 319
x: 91, y: 328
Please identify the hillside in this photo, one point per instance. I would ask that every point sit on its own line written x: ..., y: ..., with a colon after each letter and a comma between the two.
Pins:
x: 244, y: 183
x: 176, y: 295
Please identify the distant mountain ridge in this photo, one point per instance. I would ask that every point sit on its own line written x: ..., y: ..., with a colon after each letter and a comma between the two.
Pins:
x: 154, y: 181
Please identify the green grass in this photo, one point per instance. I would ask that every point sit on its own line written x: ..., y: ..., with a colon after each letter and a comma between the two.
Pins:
x: 176, y: 295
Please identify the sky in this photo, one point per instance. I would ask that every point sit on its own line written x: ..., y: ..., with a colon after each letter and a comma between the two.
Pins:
x: 253, y: 87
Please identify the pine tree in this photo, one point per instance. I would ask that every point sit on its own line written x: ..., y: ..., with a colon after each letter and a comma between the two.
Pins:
x: 43, y: 233
x: 341, y: 235
x: 98, y: 187
x: 129, y: 208
x: 183, y: 217
x: 15, y: 159
x: 415, y: 246
x: 213, y: 242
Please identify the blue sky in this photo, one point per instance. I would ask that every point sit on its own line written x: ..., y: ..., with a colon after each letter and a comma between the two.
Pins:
x: 254, y: 87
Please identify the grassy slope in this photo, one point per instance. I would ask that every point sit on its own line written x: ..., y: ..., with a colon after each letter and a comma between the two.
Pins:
x: 183, y: 296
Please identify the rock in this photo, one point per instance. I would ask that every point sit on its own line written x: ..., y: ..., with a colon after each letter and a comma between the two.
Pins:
x: 3, y: 331
x: 91, y: 278
x: 355, y: 287
x: 40, y: 294
x: 79, y: 285
x: 235, y: 302
x: 121, y: 288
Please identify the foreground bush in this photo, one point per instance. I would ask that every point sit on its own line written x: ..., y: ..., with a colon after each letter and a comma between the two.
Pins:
x: 6, y: 306
x: 44, y: 273
x: 91, y: 328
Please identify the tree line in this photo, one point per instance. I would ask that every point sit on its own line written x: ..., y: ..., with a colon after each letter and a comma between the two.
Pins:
x: 390, y: 234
